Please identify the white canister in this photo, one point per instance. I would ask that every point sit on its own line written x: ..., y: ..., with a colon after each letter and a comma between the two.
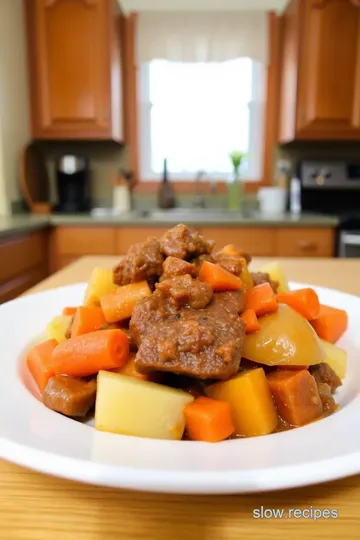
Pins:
x: 121, y: 198
x: 272, y: 200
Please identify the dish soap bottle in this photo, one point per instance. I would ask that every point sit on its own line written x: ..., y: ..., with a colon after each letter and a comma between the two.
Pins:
x: 235, y: 189
x: 166, y: 194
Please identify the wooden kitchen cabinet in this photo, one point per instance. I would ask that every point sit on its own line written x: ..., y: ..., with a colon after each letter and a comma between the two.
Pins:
x: 320, y: 74
x: 75, y: 67
x: 305, y: 242
x: 25, y: 263
x: 70, y: 243
x: 259, y: 242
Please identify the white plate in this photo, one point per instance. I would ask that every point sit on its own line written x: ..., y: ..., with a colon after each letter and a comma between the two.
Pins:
x: 36, y: 437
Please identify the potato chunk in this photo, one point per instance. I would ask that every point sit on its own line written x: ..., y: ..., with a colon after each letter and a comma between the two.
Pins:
x: 130, y: 406
x: 249, y: 397
x: 100, y: 283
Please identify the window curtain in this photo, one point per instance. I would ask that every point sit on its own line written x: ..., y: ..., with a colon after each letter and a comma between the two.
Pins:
x: 202, y: 36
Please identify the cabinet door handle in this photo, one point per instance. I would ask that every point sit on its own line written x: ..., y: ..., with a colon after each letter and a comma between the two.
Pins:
x: 307, y: 245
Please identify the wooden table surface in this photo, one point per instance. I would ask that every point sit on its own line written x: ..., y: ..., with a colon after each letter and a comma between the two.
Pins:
x: 38, y: 507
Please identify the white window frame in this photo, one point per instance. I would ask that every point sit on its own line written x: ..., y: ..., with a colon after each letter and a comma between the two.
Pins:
x: 256, y: 130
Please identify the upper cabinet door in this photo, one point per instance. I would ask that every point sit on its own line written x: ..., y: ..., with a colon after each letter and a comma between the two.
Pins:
x: 329, y: 90
x: 74, y: 67
x: 320, y: 87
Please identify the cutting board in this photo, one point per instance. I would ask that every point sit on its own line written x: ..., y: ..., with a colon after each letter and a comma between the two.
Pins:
x: 34, y: 179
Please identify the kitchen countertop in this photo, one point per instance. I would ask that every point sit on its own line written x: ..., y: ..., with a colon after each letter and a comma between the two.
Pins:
x: 37, y: 507
x: 26, y: 222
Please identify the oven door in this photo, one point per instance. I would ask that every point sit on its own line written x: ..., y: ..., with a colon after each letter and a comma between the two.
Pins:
x: 349, y: 244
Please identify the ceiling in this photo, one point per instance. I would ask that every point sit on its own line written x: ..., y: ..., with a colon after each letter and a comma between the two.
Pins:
x: 200, y: 5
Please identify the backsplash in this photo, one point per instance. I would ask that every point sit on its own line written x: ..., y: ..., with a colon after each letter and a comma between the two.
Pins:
x: 315, y: 150
x: 106, y: 159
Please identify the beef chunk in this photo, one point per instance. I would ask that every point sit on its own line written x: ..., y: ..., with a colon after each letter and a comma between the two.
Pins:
x: 262, y: 277
x: 176, y: 267
x: 231, y: 251
x: 323, y: 373
x: 147, y: 313
x: 231, y: 265
x: 205, y: 344
x: 184, y: 244
x: 232, y: 301
x: 70, y: 396
x: 198, y: 261
x: 186, y: 291
x: 142, y: 261
x: 328, y: 402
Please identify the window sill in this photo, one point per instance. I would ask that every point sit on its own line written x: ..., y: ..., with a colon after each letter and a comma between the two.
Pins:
x: 190, y: 186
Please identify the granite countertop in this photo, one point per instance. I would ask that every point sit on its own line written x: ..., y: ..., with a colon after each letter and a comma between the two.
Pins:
x: 26, y: 222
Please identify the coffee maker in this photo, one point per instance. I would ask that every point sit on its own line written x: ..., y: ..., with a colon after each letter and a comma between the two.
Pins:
x: 72, y: 180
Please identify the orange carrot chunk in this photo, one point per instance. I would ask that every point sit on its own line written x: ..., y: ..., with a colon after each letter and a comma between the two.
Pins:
x: 119, y: 305
x: 330, y: 324
x: 39, y: 362
x: 87, y: 354
x: 69, y: 311
x: 250, y: 320
x: 208, y: 420
x: 296, y: 396
x: 261, y: 299
x: 219, y: 278
x: 304, y: 301
x: 87, y: 319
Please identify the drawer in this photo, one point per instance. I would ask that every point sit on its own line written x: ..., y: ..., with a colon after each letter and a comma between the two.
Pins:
x: 255, y: 241
x: 21, y: 253
x: 305, y: 242
x: 22, y: 282
x: 84, y: 241
x: 127, y: 236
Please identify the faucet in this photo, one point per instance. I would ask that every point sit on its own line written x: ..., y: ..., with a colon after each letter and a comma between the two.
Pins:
x: 199, y: 201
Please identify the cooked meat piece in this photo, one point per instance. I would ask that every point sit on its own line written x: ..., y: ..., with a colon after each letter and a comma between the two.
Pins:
x: 232, y: 301
x: 205, y: 344
x: 186, y: 291
x: 231, y: 265
x: 147, y: 313
x: 328, y: 402
x: 323, y: 373
x: 70, y: 396
x: 173, y: 266
x: 142, y: 261
x: 262, y: 277
x: 184, y: 244
x: 235, y: 254
x: 198, y: 261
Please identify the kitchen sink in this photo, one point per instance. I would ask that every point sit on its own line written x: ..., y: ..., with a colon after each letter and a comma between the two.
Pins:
x: 193, y: 214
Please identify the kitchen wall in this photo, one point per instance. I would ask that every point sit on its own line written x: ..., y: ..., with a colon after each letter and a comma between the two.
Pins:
x: 105, y: 158
x: 14, y: 112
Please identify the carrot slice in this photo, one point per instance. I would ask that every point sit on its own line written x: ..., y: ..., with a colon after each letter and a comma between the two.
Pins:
x: 87, y: 319
x: 296, y: 396
x: 304, y: 301
x: 261, y: 299
x: 87, y: 354
x: 39, y: 360
x: 330, y: 324
x: 208, y: 420
x: 219, y: 278
x: 250, y: 320
x: 69, y: 311
x: 119, y: 304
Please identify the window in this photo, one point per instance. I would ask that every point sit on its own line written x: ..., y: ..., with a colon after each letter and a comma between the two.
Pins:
x: 195, y: 114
